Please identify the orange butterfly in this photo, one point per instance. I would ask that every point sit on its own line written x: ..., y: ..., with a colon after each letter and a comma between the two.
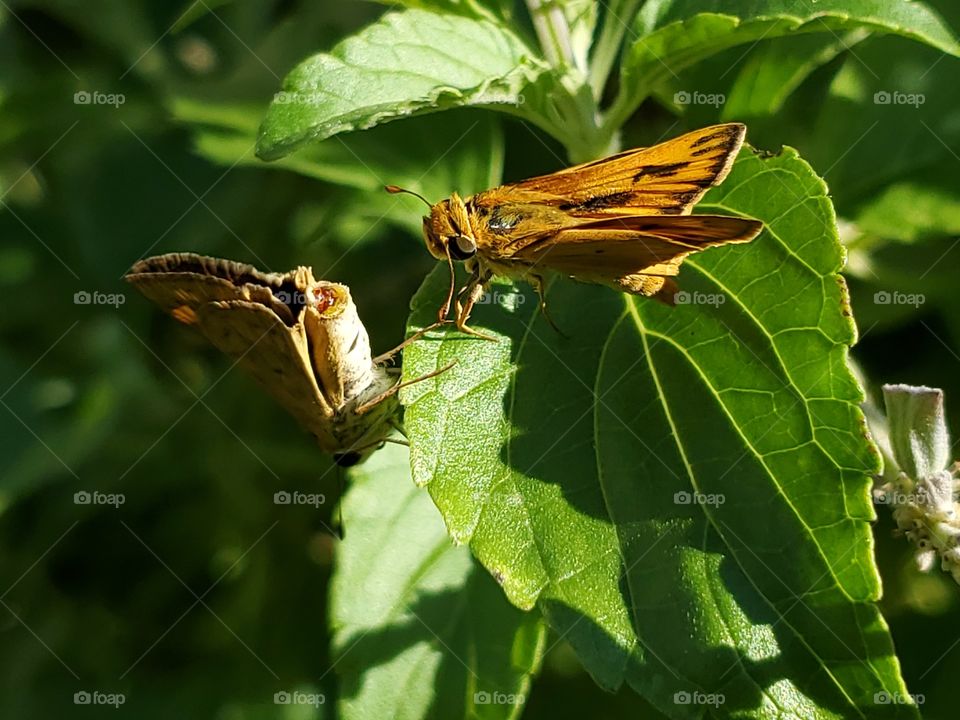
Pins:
x: 622, y: 221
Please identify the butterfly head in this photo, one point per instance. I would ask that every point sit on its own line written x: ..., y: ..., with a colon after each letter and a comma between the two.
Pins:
x: 446, y: 229
x: 448, y: 232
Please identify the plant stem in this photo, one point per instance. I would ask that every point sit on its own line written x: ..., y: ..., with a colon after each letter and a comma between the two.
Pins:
x: 615, y: 26
x: 552, y: 32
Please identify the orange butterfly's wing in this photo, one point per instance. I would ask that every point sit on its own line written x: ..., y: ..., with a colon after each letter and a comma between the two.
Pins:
x: 634, y: 253
x: 666, y: 179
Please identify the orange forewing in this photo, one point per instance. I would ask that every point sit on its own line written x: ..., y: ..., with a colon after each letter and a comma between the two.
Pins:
x: 624, y: 207
x: 666, y: 179
x: 622, y: 221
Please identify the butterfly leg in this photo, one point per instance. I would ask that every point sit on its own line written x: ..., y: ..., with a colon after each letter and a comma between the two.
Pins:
x: 540, y: 285
x: 380, y: 359
x: 473, y: 292
x: 394, y: 389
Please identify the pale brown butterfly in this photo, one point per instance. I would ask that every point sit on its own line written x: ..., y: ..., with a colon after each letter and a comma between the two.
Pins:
x: 299, y: 337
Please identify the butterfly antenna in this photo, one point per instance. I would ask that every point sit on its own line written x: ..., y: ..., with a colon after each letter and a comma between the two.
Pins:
x: 394, y: 190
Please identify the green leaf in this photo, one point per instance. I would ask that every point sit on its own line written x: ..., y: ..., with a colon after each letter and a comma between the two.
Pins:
x: 421, y: 630
x: 682, y: 491
x: 407, y: 63
x: 775, y: 69
x: 915, y: 208
x: 892, y: 165
x: 753, y: 84
x: 674, y: 34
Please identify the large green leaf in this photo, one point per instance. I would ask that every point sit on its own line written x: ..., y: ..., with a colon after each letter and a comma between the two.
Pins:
x: 673, y: 34
x: 570, y: 465
x: 408, y: 62
x: 421, y: 631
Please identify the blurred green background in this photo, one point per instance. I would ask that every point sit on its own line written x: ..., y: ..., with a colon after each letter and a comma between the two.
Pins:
x: 198, y: 595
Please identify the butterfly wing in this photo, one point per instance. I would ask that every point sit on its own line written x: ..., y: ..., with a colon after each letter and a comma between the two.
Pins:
x: 277, y: 356
x: 518, y: 220
x: 666, y: 179
x: 628, y: 252
x: 181, y: 282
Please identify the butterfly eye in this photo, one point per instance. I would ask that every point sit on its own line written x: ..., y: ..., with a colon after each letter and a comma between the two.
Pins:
x: 462, y: 247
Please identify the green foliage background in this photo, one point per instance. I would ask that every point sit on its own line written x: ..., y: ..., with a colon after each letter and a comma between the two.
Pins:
x: 200, y: 595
